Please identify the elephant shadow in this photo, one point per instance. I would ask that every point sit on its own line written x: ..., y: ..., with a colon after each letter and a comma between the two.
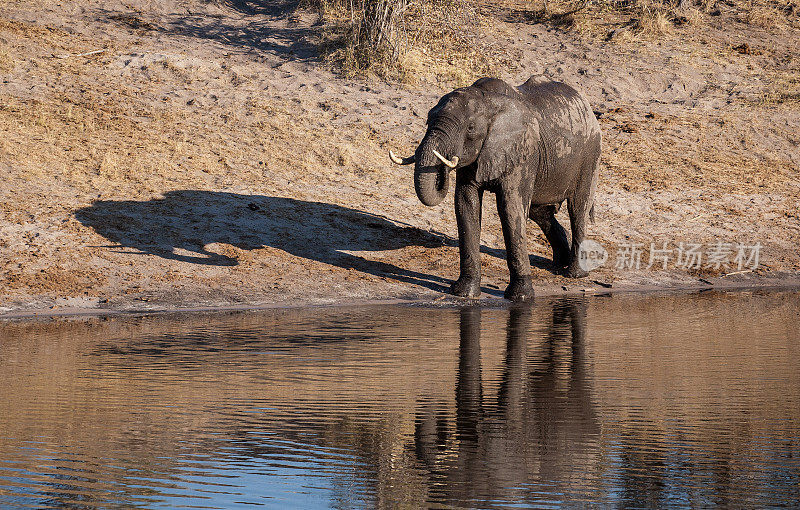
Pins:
x: 185, y: 224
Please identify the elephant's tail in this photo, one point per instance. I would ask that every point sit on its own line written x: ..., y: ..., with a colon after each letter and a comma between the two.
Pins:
x: 591, y: 214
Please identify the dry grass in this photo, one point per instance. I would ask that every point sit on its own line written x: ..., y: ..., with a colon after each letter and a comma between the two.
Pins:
x: 92, y: 145
x: 771, y: 14
x: 449, y: 44
x: 411, y: 41
x: 6, y: 61
x: 443, y: 40
x: 365, y: 35
x: 783, y: 88
x: 100, y: 134
x: 625, y: 20
x: 695, y: 150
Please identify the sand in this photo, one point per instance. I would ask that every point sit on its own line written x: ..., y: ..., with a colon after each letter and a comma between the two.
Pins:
x: 196, y: 155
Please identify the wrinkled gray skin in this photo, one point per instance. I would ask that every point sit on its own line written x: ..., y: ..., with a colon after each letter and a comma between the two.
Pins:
x: 534, y: 146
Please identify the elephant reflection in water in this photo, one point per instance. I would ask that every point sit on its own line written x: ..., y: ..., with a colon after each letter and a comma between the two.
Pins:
x: 540, y: 430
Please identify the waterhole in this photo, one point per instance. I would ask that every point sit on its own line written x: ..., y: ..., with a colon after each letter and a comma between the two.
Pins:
x: 628, y: 401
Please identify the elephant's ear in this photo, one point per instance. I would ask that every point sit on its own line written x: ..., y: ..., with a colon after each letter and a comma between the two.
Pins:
x: 511, y: 141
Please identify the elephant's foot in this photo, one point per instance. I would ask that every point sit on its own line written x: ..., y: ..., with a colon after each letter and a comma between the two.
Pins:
x: 575, y: 271
x: 520, y: 289
x: 466, y: 287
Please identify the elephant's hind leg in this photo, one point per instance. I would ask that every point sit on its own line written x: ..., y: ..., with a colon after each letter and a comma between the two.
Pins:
x: 544, y: 216
x: 578, y: 216
x: 579, y: 206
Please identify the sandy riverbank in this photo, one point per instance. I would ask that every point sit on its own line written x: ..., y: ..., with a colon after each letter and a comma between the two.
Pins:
x: 206, y: 158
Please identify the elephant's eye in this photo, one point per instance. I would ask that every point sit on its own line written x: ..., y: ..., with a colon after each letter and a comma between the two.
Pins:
x: 471, y: 127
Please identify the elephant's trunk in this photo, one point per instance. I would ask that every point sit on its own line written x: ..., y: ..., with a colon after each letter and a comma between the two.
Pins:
x: 431, y: 177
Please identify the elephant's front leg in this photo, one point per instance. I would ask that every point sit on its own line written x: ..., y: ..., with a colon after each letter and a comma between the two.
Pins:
x: 468, y: 216
x: 513, y: 214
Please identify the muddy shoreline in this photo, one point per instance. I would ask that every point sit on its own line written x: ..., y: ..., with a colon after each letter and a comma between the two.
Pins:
x: 788, y: 282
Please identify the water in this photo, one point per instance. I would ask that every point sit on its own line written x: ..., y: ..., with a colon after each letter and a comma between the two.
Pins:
x: 680, y: 400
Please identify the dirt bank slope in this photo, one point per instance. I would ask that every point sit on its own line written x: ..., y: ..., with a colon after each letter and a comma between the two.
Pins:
x: 206, y: 156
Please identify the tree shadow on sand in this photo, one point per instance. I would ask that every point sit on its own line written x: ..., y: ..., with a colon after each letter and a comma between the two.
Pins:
x: 270, y: 7
x: 249, y: 25
x: 292, y: 43
x: 181, y: 226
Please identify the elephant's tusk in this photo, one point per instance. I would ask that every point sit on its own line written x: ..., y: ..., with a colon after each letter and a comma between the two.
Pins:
x: 450, y: 164
x: 404, y: 161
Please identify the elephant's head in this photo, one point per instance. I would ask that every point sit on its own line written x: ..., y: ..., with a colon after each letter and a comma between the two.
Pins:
x: 486, y: 126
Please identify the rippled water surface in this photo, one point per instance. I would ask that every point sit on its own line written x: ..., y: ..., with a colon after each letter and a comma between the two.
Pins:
x: 609, y: 401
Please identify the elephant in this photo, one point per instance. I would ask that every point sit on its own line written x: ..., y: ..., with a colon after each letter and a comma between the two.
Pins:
x: 534, y: 146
